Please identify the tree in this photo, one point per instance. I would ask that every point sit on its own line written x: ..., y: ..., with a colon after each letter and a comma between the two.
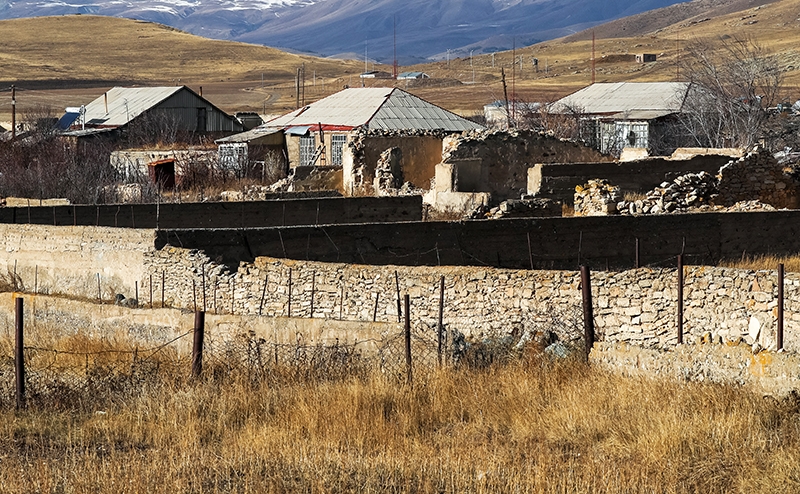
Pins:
x: 731, y: 86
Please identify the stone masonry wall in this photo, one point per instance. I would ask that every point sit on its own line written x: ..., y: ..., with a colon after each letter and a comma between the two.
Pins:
x: 722, y: 305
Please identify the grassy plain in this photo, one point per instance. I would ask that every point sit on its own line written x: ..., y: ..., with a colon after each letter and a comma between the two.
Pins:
x: 532, y: 425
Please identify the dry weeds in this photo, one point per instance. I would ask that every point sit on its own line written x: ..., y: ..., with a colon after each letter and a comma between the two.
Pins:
x: 532, y: 425
x: 764, y: 262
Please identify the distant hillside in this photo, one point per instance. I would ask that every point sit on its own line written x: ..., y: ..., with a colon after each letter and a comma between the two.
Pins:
x: 93, y: 48
x: 326, y: 27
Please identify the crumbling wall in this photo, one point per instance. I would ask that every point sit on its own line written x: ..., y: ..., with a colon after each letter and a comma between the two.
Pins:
x: 558, y: 180
x: 757, y: 176
x: 508, y: 154
x: 421, y: 151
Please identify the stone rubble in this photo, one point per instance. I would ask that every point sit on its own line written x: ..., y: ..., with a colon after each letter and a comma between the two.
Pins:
x: 756, y: 182
x: 596, y: 198
x: 527, y: 207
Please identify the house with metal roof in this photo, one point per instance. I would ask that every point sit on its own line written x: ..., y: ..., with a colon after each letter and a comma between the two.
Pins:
x: 351, y: 128
x: 412, y: 75
x: 617, y: 115
x: 175, y: 106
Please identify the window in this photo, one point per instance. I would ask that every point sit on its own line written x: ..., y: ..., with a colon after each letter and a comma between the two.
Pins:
x: 308, y: 147
x: 337, y: 148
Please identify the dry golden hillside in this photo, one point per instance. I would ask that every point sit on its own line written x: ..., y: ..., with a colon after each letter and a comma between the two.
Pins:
x: 69, y: 60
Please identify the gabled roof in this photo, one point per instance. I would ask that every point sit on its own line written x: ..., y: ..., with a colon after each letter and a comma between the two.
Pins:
x: 618, y: 97
x: 373, y: 108
x: 125, y: 104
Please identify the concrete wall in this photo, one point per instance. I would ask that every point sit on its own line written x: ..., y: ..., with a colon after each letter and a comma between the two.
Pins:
x: 561, y: 243
x: 89, y: 262
x: 248, y: 214
x: 50, y: 318
x: 558, y: 180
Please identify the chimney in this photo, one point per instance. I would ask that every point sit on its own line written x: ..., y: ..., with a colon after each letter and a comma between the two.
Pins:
x: 105, y: 98
x: 201, y: 91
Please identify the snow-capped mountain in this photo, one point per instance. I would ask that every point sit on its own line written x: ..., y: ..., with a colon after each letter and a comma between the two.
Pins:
x: 424, y: 28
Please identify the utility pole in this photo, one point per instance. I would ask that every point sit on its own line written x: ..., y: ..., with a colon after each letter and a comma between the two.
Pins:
x: 593, y: 59
x: 297, y: 89
x: 472, y: 66
x: 13, y: 112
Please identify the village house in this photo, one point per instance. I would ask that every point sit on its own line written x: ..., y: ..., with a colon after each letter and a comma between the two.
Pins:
x: 640, y: 115
x: 152, y: 115
x: 350, y: 129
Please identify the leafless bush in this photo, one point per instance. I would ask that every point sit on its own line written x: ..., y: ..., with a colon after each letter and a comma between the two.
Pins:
x: 730, y: 90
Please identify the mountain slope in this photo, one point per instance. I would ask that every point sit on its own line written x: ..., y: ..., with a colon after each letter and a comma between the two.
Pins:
x: 328, y: 27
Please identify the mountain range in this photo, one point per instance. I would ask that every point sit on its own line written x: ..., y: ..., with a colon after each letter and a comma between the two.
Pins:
x: 420, y: 29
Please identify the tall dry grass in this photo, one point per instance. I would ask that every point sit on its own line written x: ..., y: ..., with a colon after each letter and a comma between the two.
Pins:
x: 531, y: 425
x: 764, y: 262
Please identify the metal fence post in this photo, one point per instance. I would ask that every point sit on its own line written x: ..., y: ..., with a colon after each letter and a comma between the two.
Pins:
x: 588, y: 311
x: 19, y: 354
x: 197, y: 344
x: 397, y: 287
x: 680, y: 299
x: 408, y: 338
x: 440, y: 326
x: 780, y: 307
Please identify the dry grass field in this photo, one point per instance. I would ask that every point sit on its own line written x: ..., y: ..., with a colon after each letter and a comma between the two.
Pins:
x: 531, y: 425
x: 68, y: 61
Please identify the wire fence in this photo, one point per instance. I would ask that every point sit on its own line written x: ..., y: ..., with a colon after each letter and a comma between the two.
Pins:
x: 69, y: 370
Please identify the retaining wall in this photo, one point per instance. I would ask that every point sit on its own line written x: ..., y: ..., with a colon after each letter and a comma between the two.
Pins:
x: 561, y: 243
x: 558, y: 181
x: 248, y: 214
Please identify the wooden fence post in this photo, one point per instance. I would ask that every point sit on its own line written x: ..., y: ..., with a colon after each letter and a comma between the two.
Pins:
x: 19, y: 354
x: 588, y: 310
x: 780, y: 307
x: 197, y: 344
x: 680, y: 299
x: 408, y: 338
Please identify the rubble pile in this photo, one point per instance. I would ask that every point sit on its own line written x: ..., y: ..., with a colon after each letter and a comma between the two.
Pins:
x: 597, y: 198
x: 527, y: 207
x: 685, y: 193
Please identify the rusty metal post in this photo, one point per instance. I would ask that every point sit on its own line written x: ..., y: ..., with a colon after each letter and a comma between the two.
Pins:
x: 233, y: 294
x: 136, y: 291
x: 680, y: 299
x: 313, y: 289
x: 197, y: 344
x: 397, y: 286
x: 375, y: 310
x: 19, y: 354
x: 99, y: 292
x: 194, y: 295
x: 263, y: 294
x: 780, y: 307
x: 408, y: 338
x: 151, y: 290
x: 203, y: 284
x: 289, y: 306
x: 163, y: 276
x: 530, y: 251
x: 588, y: 309
x: 440, y: 326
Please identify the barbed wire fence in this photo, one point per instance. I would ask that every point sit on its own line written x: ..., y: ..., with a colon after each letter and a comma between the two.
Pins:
x: 78, y: 369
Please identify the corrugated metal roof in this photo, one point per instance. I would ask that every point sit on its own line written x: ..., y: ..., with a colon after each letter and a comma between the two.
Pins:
x: 609, y: 98
x: 124, y: 104
x: 641, y: 114
x: 250, y: 135
x: 375, y: 108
